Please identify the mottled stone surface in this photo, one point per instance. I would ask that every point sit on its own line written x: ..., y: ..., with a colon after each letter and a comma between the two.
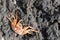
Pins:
x: 43, y: 15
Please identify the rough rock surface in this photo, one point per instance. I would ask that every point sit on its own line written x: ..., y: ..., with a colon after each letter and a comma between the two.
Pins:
x: 41, y: 14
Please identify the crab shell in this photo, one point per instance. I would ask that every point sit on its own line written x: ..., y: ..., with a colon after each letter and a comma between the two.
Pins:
x: 17, y: 27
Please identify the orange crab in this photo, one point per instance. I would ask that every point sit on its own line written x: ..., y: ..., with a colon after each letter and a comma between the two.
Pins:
x: 18, y: 28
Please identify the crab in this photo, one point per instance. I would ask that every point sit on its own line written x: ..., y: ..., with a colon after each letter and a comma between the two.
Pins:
x: 17, y: 26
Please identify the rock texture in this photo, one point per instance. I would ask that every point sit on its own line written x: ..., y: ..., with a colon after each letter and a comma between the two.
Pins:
x: 43, y: 15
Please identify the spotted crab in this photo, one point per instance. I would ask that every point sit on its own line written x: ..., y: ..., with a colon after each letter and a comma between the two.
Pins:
x: 17, y: 26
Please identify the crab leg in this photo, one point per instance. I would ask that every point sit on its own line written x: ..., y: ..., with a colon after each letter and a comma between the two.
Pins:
x: 25, y: 28
x: 29, y: 31
x: 12, y: 15
x: 26, y: 31
x: 9, y: 19
x: 33, y: 30
x: 16, y: 15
